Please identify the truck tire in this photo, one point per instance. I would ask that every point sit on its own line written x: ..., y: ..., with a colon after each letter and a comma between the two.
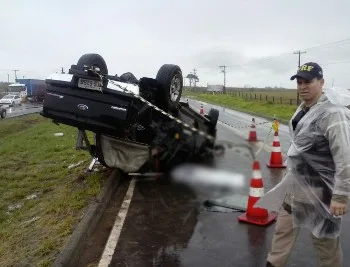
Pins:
x: 128, y: 77
x: 93, y: 60
x: 213, y: 117
x: 3, y: 114
x: 170, y: 78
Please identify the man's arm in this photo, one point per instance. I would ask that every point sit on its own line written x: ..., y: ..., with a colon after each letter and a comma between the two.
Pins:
x: 338, y: 135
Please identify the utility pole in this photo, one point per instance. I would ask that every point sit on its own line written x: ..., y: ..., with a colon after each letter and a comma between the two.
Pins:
x: 15, y: 73
x: 298, y: 53
x: 194, y: 73
x: 8, y: 78
x: 223, y: 70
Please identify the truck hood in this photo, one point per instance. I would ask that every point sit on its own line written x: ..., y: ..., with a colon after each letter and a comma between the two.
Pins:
x: 5, y: 101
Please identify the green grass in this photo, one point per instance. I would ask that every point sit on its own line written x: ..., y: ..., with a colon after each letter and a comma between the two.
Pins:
x: 283, y: 112
x: 34, y: 161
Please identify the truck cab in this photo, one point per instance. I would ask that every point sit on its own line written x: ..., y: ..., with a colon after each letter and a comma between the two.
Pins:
x: 18, y: 89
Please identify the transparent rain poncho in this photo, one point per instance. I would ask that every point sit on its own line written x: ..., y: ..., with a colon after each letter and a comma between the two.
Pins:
x: 318, y: 165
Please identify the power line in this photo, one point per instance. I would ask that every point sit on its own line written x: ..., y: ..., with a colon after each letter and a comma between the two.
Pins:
x: 326, y: 45
x: 30, y: 71
x: 337, y: 62
x: 331, y: 44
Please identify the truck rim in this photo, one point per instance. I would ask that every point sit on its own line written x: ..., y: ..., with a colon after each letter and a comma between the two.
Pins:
x: 175, y: 87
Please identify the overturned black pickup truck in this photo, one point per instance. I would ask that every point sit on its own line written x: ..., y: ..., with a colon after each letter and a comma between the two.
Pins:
x: 139, y: 125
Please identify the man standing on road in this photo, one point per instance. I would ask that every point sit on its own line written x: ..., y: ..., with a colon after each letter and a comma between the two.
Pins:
x: 317, y: 181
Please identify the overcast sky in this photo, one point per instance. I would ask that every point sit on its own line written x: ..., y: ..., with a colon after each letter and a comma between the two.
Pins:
x: 40, y: 37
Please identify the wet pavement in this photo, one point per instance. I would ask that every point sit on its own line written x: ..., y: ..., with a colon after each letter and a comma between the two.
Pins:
x: 24, y: 109
x: 242, y: 121
x: 168, y: 224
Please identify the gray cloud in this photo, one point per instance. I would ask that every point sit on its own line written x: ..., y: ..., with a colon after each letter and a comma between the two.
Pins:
x: 38, y: 37
x: 214, y: 57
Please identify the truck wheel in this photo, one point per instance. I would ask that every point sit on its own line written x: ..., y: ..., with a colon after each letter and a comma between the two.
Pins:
x: 3, y: 114
x: 93, y: 60
x: 128, y: 77
x: 213, y: 117
x: 170, y: 78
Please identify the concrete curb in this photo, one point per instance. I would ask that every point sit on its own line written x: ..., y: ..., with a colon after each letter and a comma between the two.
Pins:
x: 71, y: 253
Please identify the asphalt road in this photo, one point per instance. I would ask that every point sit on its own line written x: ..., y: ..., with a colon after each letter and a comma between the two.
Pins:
x: 163, y: 223
x: 242, y: 121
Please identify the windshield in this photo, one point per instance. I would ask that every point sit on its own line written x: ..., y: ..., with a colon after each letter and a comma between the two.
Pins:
x: 17, y: 88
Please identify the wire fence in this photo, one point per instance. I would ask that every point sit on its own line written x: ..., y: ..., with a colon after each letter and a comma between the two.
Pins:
x: 284, y: 97
x: 267, y: 98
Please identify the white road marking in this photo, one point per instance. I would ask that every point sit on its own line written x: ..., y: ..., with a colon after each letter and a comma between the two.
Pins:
x: 117, y: 228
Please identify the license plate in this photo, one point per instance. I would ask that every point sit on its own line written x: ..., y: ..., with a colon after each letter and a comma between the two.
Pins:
x: 90, y: 84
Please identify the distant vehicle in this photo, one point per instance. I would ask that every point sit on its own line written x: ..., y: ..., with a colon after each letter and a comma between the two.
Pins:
x: 18, y: 89
x: 11, y: 100
x: 32, y: 89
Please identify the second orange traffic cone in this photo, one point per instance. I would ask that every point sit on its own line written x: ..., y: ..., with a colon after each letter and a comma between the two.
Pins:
x: 201, y: 110
x: 255, y: 215
x: 276, y: 160
x: 252, y: 134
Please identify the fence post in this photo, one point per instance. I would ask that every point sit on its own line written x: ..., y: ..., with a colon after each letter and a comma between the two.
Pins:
x: 273, y: 99
x: 281, y: 100
x: 291, y: 101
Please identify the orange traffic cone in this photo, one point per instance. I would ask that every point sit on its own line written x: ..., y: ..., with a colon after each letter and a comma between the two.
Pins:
x: 201, y: 110
x: 254, y: 215
x: 276, y: 160
x: 252, y: 134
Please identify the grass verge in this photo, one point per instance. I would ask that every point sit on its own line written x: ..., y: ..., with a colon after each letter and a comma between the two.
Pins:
x: 41, y: 198
x: 266, y: 109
